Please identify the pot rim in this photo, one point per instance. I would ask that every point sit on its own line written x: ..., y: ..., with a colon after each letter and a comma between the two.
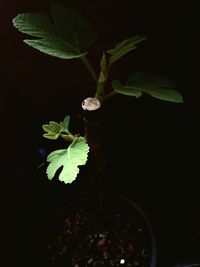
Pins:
x: 137, y: 208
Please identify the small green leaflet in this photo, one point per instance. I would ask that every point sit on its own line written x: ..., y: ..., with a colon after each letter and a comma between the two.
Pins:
x: 124, y: 47
x: 125, y: 90
x: 69, y: 159
x: 65, y: 123
x: 52, y: 136
x: 54, y: 129
x: 67, y: 37
x: 154, y: 85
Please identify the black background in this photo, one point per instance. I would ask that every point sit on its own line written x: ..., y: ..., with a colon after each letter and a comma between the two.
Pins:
x: 151, y: 146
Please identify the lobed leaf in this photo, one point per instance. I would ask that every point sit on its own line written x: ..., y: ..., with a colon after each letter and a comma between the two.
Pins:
x: 56, y: 127
x: 72, y: 26
x: 125, y: 90
x: 47, y: 128
x: 54, y: 130
x: 66, y: 37
x: 69, y: 159
x: 124, y: 47
x: 156, y: 86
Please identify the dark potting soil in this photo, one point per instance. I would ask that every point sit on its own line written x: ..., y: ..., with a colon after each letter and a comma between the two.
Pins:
x: 83, y: 241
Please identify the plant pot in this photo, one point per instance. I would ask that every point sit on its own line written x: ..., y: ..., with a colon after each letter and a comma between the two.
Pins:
x: 81, y: 236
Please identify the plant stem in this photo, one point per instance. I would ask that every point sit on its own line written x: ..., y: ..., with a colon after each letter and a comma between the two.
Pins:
x: 100, y: 91
x: 89, y: 67
x: 97, y: 164
x: 68, y: 137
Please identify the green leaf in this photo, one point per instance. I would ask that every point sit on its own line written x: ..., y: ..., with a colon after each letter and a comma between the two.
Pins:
x: 125, y: 90
x: 124, y: 47
x: 156, y: 86
x: 69, y: 159
x: 51, y: 135
x: 56, y: 127
x: 166, y: 94
x: 147, y: 78
x: 52, y: 127
x: 54, y: 130
x: 67, y: 37
x: 65, y: 123
x: 54, y: 47
x: 72, y: 26
x: 47, y: 128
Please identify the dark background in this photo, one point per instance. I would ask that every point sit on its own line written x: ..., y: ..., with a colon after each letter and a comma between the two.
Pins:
x: 151, y: 146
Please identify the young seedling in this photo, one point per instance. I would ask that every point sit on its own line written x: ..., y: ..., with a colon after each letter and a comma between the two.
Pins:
x: 67, y: 35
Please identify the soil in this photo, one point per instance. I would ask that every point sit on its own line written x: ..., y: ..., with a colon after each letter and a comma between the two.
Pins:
x: 84, y: 240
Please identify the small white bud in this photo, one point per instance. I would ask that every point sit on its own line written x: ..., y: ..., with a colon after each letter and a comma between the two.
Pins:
x: 91, y: 104
x: 122, y: 261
